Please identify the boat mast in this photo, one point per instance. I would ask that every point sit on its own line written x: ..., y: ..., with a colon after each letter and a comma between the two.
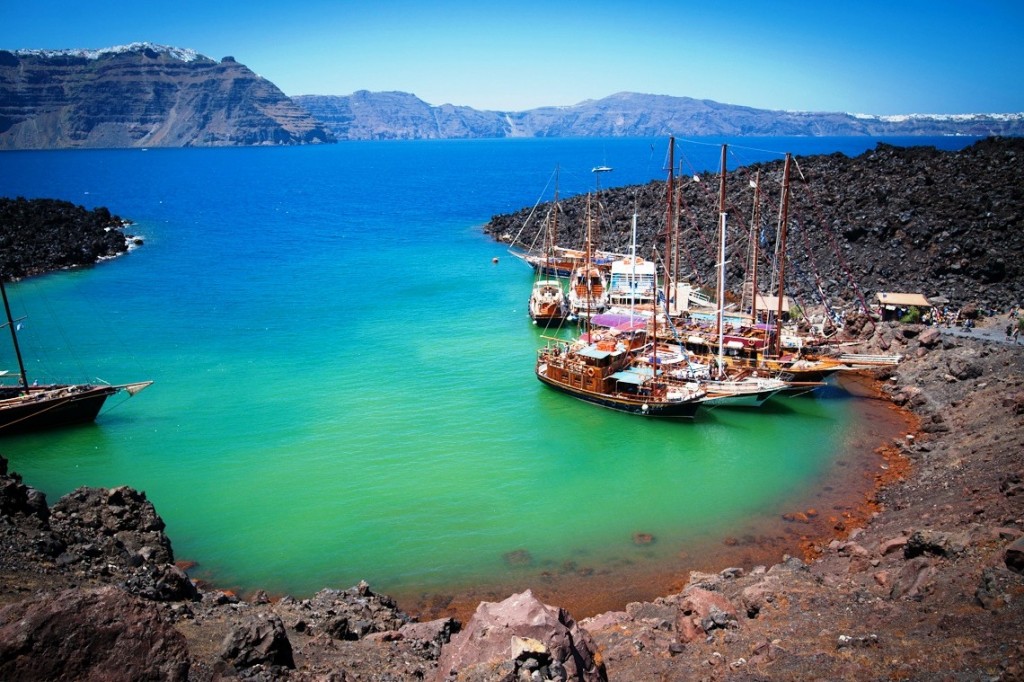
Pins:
x: 755, y: 223
x: 14, y: 337
x: 554, y: 220
x: 721, y: 266
x: 632, y: 277
x: 781, y: 255
x: 669, y: 199
x: 586, y: 270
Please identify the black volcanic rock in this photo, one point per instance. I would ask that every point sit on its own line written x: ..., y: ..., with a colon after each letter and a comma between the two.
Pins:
x: 40, y: 235
x: 142, y: 95
x: 912, y: 219
x: 397, y: 115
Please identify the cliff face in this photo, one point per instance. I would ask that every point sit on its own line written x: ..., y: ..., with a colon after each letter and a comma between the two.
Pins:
x: 142, y: 95
x: 396, y: 115
x: 367, y: 115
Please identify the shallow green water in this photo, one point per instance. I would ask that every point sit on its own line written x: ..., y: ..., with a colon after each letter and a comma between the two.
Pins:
x: 344, y: 385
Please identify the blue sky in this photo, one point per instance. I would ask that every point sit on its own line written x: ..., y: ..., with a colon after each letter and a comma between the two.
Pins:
x: 894, y: 57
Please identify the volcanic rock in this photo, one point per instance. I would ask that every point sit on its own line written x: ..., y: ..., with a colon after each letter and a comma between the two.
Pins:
x: 486, y: 649
x: 96, y: 635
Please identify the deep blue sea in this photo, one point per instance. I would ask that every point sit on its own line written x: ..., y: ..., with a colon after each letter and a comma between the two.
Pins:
x: 344, y: 381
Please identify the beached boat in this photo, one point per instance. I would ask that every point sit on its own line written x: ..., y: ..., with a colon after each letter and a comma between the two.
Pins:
x: 25, y: 407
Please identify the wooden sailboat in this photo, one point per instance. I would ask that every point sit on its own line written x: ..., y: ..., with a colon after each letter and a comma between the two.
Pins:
x: 609, y: 366
x: 606, y: 373
x: 548, y: 303
x: 25, y: 407
x: 588, y: 288
x: 552, y: 260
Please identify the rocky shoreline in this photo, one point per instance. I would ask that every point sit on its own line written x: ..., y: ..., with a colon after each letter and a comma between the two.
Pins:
x: 930, y: 586
x: 42, y: 235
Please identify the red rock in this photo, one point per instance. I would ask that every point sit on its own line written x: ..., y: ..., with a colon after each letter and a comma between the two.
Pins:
x: 485, y: 644
x: 894, y: 545
x: 697, y: 605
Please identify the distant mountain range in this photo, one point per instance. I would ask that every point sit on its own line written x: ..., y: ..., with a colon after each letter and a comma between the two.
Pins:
x: 397, y: 115
x: 145, y: 95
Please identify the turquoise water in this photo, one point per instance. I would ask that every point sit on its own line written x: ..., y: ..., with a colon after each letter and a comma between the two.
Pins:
x: 344, y: 381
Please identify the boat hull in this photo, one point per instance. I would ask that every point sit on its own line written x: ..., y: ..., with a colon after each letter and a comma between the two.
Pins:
x: 646, y: 408
x: 745, y: 399
x: 53, y: 407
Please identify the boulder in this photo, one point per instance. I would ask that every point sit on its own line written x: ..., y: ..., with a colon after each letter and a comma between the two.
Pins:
x: 16, y: 498
x: 164, y: 582
x: 913, y: 581
x: 1014, y: 556
x: 430, y: 636
x: 258, y: 641
x: 936, y: 543
x: 895, y: 544
x: 100, y: 635
x: 930, y: 337
x: 963, y: 368
x: 120, y: 522
x: 702, y: 610
x: 504, y: 638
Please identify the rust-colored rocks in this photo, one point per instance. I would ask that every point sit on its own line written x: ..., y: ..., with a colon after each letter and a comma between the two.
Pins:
x: 521, y: 634
x: 701, y: 611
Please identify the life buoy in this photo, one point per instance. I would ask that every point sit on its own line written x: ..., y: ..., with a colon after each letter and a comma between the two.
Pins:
x: 590, y: 371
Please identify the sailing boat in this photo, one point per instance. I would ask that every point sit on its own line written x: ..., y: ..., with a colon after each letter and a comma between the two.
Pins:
x: 607, y: 366
x: 588, y: 288
x: 548, y: 304
x: 604, y: 372
x: 554, y: 261
x: 25, y: 408
x: 725, y: 385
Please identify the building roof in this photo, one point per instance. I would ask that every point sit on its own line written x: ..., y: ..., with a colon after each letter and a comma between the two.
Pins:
x: 889, y: 298
x: 771, y: 303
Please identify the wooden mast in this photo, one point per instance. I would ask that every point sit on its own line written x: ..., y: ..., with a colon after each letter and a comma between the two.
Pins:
x: 669, y: 200
x: 781, y: 253
x: 554, y: 219
x: 721, y: 265
x: 586, y: 270
x: 755, y: 222
x: 14, y: 337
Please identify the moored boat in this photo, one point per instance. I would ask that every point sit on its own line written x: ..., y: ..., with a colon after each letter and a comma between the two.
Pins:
x: 548, y: 304
x: 25, y: 407
x: 605, y: 374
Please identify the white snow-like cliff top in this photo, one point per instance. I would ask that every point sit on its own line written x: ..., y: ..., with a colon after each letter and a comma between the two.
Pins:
x: 179, y: 53
x: 903, y: 118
